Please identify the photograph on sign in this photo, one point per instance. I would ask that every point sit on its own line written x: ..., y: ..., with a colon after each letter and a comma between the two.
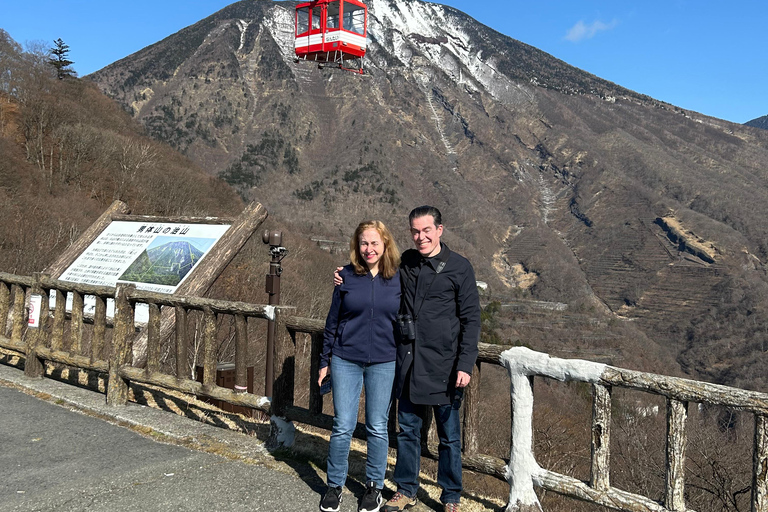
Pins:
x: 167, y: 260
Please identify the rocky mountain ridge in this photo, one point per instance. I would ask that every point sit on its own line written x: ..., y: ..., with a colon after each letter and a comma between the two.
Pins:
x: 558, y: 185
x: 760, y: 122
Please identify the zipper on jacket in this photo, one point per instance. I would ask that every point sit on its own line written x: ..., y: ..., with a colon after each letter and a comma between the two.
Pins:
x: 370, y: 323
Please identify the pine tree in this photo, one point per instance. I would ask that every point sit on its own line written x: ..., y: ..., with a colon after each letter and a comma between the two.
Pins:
x: 60, y: 61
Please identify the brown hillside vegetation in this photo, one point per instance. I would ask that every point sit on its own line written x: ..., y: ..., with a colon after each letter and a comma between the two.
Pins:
x: 67, y: 152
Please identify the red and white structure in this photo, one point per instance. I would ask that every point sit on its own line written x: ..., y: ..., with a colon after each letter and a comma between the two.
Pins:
x: 331, y: 31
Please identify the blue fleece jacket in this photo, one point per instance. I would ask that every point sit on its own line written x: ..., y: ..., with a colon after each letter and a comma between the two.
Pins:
x: 360, y: 326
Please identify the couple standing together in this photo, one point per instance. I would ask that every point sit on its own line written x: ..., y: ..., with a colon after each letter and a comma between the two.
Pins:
x: 408, y: 326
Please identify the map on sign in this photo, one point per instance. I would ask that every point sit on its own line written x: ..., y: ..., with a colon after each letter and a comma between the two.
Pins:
x: 155, y: 256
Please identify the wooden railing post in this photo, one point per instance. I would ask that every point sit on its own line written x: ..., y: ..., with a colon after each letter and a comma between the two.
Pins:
x: 210, y: 351
x: 76, y: 324
x: 315, y: 398
x: 472, y: 413
x: 677, y: 416
x: 601, y: 437
x: 117, y: 389
x: 760, y: 465
x: 153, y: 339
x: 285, y: 366
x: 241, y: 354
x: 17, y: 316
x: 59, y: 315
x: 5, y: 307
x: 99, y: 328
x: 182, y: 372
x: 33, y: 366
x: 522, y: 463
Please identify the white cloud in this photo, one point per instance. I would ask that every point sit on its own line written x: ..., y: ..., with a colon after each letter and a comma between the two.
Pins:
x: 581, y: 30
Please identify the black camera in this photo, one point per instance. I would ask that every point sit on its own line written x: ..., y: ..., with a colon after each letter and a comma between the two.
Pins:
x: 406, y: 326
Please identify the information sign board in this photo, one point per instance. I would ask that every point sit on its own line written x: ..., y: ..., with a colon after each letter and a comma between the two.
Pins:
x: 154, y: 256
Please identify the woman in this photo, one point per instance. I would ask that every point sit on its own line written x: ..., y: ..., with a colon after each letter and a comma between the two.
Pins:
x: 359, y: 350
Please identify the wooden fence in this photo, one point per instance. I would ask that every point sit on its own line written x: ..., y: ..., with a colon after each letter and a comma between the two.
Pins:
x: 520, y: 470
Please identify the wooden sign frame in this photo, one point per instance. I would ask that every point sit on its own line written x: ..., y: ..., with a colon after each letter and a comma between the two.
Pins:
x: 202, y: 275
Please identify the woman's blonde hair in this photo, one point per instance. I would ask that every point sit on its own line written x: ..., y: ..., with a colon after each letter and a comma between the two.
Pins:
x: 389, y: 261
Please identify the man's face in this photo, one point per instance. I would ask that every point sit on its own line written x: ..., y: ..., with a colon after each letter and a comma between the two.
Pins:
x: 426, y: 235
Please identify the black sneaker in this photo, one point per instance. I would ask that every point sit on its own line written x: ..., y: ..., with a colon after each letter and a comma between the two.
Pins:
x: 331, y: 500
x: 372, y: 499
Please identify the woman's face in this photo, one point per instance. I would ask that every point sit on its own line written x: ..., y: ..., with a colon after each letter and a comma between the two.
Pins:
x: 371, y: 247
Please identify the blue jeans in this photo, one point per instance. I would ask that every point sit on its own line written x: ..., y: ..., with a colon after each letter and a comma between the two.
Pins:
x: 348, y: 378
x: 406, y: 475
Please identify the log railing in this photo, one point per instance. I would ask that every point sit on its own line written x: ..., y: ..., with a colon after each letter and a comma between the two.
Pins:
x: 521, y: 469
x: 47, y: 343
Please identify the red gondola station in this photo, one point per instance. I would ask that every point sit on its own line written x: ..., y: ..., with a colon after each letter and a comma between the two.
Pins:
x: 332, y: 32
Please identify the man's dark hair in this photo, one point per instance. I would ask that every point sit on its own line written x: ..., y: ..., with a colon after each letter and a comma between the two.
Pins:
x: 423, y: 211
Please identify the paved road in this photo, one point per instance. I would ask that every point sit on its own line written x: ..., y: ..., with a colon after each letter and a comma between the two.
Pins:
x: 63, y: 449
x: 55, y: 458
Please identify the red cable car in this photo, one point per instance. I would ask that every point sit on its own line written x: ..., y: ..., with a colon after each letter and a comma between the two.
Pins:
x: 332, y: 31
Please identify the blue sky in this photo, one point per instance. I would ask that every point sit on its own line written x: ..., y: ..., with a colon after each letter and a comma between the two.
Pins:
x: 701, y: 55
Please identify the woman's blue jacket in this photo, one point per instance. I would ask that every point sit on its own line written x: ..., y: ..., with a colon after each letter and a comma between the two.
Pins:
x: 360, y: 326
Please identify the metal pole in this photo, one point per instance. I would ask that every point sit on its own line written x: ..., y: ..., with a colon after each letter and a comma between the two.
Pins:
x: 277, y: 252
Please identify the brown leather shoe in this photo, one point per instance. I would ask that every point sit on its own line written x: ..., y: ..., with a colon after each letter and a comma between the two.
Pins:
x: 399, y: 502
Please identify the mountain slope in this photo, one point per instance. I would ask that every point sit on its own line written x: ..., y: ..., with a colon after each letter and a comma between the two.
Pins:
x: 558, y: 185
x: 760, y: 122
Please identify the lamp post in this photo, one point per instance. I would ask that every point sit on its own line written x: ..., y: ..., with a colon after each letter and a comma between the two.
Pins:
x: 274, y: 239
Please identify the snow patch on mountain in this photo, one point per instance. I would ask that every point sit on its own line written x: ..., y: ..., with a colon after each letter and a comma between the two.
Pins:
x: 402, y: 26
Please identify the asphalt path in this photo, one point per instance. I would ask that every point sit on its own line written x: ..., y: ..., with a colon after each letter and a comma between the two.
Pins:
x: 55, y: 458
x: 63, y: 449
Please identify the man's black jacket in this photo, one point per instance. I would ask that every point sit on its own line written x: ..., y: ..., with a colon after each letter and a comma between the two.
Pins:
x: 446, y: 312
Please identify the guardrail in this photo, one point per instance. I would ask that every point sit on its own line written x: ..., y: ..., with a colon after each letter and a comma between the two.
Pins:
x: 521, y: 469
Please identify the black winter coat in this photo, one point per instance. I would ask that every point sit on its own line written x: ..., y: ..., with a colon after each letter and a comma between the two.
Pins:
x: 446, y: 312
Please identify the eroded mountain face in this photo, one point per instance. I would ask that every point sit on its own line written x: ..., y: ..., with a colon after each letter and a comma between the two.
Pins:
x: 558, y: 185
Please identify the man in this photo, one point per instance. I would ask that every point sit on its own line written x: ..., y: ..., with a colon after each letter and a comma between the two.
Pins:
x: 439, y: 295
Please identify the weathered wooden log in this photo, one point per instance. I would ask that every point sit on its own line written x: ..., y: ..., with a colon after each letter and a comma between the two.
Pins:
x: 73, y: 360
x: 5, y: 307
x: 241, y: 354
x: 76, y: 324
x: 153, y: 339
x: 686, y: 390
x: 98, y: 339
x: 193, y: 387
x: 302, y: 324
x: 202, y: 276
x: 611, y: 497
x: 315, y: 398
x: 601, y: 437
x: 83, y: 289
x: 489, y: 353
x: 182, y: 372
x: 11, y: 279
x: 6, y: 343
x: 17, y: 313
x: 71, y: 253
x: 218, y: 306
x: 210, y: 351
x: 760, y: 465
x: 285, y: 366
x: 472, y: 412
x: 33, y: 366
x: 117, y: 389
x: 677, y: 415
x: 59, y: 314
